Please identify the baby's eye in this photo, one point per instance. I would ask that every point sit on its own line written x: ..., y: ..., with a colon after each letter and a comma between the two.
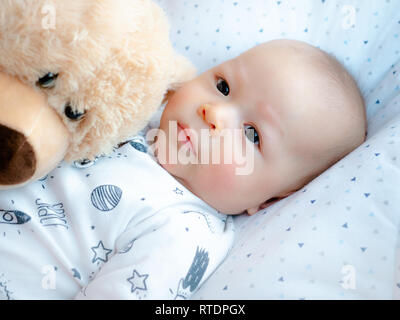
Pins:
x: 251, y: 133
x: 223, y: 87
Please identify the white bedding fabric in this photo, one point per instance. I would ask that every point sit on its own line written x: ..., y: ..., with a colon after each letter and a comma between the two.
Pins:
x: 337, y: 238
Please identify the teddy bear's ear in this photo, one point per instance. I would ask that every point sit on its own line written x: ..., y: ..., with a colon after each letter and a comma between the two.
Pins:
x: 182, y: 70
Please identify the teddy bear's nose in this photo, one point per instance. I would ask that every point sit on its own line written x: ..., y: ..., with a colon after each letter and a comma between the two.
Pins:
x: 17, y: 157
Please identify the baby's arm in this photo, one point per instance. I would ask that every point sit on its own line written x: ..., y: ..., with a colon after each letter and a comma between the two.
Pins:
x: 164, y: 259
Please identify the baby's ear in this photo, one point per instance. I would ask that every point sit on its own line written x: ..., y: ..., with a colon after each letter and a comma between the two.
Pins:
x: 182, y: 70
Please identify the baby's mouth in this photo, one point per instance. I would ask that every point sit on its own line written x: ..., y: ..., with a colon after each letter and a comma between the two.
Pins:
x: 185, y: 135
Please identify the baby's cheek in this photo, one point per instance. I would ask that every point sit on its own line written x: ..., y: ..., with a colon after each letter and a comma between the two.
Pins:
x: 222, y: 178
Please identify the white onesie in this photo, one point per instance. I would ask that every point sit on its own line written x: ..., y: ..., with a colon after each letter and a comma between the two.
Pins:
x: 122, y: 228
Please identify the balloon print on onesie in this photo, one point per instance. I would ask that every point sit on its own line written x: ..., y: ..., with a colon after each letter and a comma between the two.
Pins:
x: 106, y: 197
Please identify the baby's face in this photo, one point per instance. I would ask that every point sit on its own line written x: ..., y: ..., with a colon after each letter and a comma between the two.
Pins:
x: 265, y: 99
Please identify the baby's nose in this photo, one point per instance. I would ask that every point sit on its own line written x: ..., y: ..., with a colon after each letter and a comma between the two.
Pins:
x: 212, y: 115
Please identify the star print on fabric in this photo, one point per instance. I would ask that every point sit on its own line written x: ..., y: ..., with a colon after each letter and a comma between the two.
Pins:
x: 178, y: 191
x: 138, y: 281
x: 100, y: 253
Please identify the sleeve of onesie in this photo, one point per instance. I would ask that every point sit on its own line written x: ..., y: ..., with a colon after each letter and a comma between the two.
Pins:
x: 167, y: 256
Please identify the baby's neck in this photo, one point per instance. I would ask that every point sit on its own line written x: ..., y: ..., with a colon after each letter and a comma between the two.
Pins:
x: 182, y: 182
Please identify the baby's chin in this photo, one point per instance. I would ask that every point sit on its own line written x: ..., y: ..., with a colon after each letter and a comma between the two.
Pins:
x: 228, y: 210
x: 226, y: 206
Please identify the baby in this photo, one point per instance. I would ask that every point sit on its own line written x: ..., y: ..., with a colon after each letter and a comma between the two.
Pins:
x: 296, y: 105
x: 134, y: 226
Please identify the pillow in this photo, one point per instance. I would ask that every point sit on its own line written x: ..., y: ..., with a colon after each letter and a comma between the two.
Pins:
x: 337, y: 238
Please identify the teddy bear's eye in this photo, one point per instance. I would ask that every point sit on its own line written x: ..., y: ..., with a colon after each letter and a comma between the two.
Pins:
x: 71, y: 114
x: 48, y: 81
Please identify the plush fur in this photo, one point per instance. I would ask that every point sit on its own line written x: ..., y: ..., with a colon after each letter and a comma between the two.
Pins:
x: 113, y: 58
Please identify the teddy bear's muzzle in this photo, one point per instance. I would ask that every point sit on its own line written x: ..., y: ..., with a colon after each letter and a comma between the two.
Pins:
x: 17, y: 157
x: 33, y: 138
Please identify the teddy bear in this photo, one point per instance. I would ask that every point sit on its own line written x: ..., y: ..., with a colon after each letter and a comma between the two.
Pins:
x: 77, y: 77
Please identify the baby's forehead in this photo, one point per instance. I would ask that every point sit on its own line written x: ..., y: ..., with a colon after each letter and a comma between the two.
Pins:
x: 286, y: 78
x: 285, y: 54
